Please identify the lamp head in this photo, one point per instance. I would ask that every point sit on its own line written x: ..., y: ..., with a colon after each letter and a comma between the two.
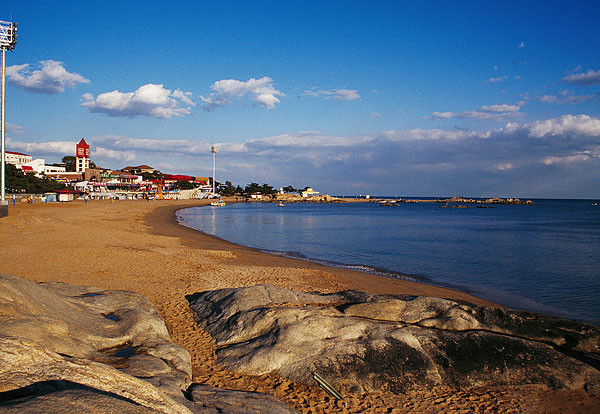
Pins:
x: 8, y: 35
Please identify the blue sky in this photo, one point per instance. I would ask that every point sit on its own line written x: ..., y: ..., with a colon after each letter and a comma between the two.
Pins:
x: 388, y: 98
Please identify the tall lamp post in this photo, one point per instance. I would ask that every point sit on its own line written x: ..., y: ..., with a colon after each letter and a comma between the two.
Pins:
x: 8, y: 41
x: 214, y: 149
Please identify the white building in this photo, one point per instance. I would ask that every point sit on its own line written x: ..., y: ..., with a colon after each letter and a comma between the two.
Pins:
x: 17, y: 158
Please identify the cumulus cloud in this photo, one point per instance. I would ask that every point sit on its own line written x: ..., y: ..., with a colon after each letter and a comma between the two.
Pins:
x: 549, y: 99
x: 226, y: 91
x: 51, y: 78
x: 148, y: 100
x: 50, y: 147
x: 486, y: 112
x: 586, y: 78
x: 578, y: 125
x: 337, y: 94
x: 106, y: 153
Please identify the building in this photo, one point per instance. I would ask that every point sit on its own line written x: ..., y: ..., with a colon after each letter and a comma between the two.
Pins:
x: 139, y: 169
x: 65, y: 177
x: 309, y: 192
x: 82, y: 156
x: 17, y: 158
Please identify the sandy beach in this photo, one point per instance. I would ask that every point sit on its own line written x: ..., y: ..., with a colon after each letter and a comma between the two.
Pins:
x: 139, y: 246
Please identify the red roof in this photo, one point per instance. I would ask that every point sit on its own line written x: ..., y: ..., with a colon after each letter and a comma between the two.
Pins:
x: 178, y: 177
x: 27, y: 168
x: 82, y: 142
x: 17, y: 153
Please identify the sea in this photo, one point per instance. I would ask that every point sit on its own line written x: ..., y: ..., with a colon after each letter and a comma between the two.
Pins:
x: 543, y: 258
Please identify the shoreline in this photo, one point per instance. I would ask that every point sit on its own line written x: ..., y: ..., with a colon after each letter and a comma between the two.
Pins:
x: 356, y: 278
x: 139, y: 246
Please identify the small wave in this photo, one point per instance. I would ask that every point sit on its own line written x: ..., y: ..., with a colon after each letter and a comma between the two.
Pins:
x: 358, y: 267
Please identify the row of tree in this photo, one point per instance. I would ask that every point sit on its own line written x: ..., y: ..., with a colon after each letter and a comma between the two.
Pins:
x: 254, y: 188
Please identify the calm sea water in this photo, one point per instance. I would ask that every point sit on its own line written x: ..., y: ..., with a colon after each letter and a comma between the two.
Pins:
x: 544, y: 258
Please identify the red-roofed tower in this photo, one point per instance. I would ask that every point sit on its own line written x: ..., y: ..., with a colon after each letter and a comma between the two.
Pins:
x: 82, y: 156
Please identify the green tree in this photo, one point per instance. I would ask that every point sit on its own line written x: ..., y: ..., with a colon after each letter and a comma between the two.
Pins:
x: 69, y: 161
x: 252, y: 188
x: 266, y: 189
x: 290, y: 189
x: 229, y: 189
x: 17, y: 182
x: 184, y: 185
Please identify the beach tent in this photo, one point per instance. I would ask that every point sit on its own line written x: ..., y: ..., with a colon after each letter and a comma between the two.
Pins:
x: 67, y: 195
x: 50, y: 197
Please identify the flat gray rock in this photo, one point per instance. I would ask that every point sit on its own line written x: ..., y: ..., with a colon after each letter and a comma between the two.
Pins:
x: 360, y: 342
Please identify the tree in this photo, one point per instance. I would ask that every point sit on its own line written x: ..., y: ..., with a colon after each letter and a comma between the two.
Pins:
x: 156, y: 175
x: 17, y: 182
x: 69, y: 161
x: 229, y: 189
x: 252, y: 188
x: 184, y: 185
x: 266, y: 189
x: 290, y: 189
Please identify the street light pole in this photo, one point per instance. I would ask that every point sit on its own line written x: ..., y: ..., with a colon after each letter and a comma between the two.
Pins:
x: 3, y: 201
x: 214, y: 149
x: 8, y: 41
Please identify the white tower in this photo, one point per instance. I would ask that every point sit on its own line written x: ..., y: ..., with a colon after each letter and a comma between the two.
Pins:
x: 82, y: 156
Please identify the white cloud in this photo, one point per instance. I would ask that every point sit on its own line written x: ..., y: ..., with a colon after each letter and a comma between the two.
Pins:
x: 587, y: 78
x: 567, y: 159
x: 51, y: 147
x: 125, y: 156
x: 14, y: 128
x: 513, y: 160
x: 486, y: 112
x: 307, y: 139
x: 51, y: 78
x: 549, y: 99
x: 498, y: 79
x: 226, y: 91
x: 504, y: 166
x: 337, y: 94
x: 148, y: 100
x: 501, y: 108
x: 566, y: 124
x: 376, y: 115
x: 568, y: 97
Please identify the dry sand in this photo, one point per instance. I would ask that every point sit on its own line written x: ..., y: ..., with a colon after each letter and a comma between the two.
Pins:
x: 138, y: 246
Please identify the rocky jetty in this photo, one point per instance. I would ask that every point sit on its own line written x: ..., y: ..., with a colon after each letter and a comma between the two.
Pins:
x: 463, y: 200
x: 72, y: 349
x: 360, y: 342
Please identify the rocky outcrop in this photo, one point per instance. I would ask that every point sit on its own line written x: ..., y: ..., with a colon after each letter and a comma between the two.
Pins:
x: 361, y: 342
x: 65, y: 347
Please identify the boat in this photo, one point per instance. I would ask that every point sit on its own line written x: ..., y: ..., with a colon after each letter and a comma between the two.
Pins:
x: 280, y: 204
x: 217, y: 203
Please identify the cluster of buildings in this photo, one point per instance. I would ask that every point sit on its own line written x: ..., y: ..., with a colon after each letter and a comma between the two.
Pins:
x: 128, y: 182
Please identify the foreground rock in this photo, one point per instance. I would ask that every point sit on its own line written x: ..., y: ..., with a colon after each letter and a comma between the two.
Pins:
x: 65, y: 347
x: 360, y: 342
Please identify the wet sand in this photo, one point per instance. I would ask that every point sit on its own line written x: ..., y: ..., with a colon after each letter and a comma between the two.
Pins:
x: 139, y: 246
